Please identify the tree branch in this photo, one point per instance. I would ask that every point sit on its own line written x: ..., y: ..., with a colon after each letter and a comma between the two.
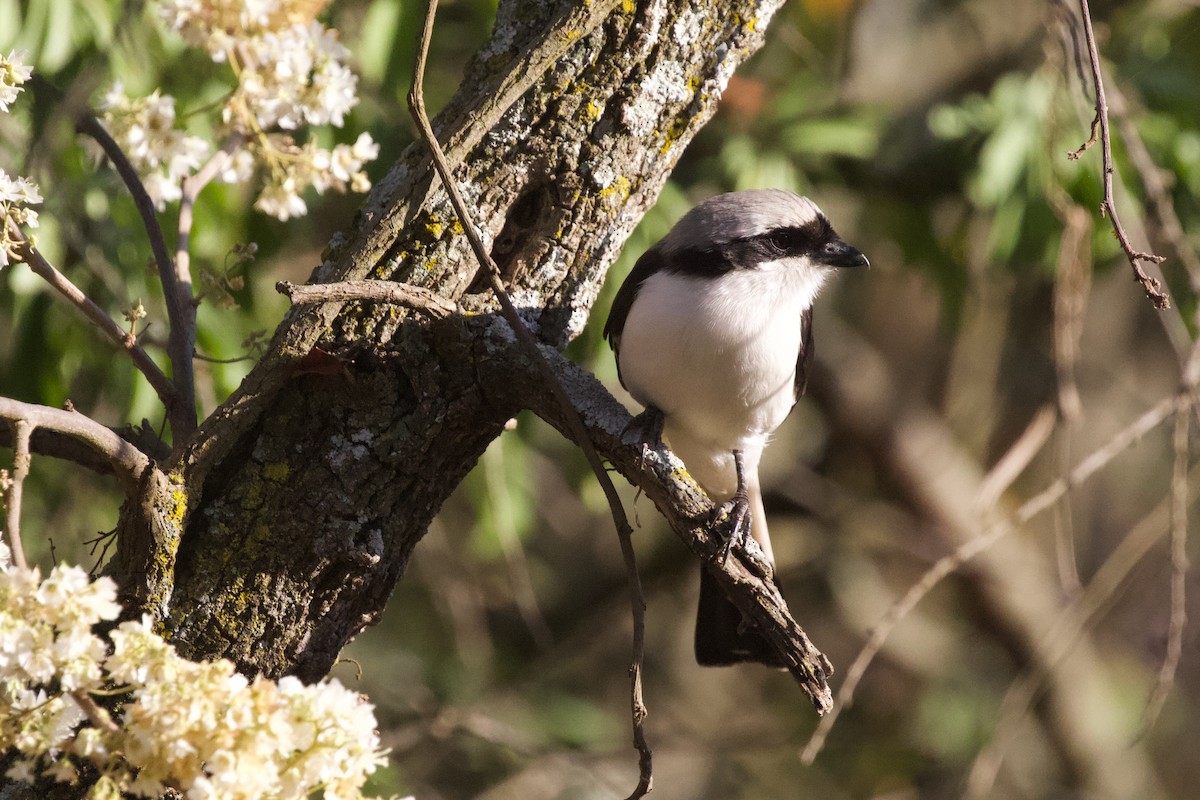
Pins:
x: 181, y: 300
x: 1066, y: 631
x: 162, y: 385
x: 416, y: 102
x: 1179, y: 569
x: 417, y: 298
x: 22, y: 430
x: 180, y: 312
x: 745, y: 576
x: 913, y: 445
x: 127, y: 461
x: 1151, y: 285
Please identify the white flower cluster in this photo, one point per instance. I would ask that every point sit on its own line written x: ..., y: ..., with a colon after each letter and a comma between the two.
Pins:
x: 12, y: 74
x: 16, y: 194
x: 200, y: 728
x: 290, y: 72
x: 145, y: 129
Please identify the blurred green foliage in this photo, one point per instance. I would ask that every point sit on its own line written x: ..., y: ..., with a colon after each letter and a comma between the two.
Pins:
x: 506, y: 644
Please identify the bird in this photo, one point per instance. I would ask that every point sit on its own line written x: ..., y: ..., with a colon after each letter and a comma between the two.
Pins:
x: 712, y: 334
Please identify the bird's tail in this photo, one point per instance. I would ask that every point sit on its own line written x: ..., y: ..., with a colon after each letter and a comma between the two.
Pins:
x: 723, y: 637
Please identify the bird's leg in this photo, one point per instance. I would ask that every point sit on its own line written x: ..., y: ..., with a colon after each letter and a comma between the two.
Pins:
x: 649, y: 425
x: 739, y: 510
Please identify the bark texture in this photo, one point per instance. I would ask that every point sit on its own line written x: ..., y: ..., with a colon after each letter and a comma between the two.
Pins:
x: 280, y: 531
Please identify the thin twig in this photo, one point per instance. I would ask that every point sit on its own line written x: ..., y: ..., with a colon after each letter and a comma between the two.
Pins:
x: 1072, y: 285
x: 22, y: 430
x: 416, y: 104
x: 127, y: 461
x: 1151, y: 285
x: 415, y: 297
x: 182, y: 338
x: 1065, y: 632
x: 1162, y: 209
x: 181, y: 412
x: 1010, y: 466
x: 1179, y: 568
x: 968, y: 550
x: 95, y: 714
x: 108, y: 326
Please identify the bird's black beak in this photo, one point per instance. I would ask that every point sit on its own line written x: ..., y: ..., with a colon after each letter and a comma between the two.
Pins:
x: 837, y: 253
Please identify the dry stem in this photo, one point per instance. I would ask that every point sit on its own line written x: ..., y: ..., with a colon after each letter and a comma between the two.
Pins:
x: 529, y: 343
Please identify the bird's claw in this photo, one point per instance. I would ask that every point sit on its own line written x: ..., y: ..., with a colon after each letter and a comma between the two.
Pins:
x: 649, y: 427
x: 738, y: 510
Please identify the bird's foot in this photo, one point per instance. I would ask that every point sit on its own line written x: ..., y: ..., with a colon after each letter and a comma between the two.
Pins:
x: 738, y: 510
x: 649, y: 428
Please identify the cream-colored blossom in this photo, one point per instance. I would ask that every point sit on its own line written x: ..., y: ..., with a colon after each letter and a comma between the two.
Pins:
x: 13, y: 74
x: 145, y: 130
x: 16, y: 195
x: 291, y: 72
x: 201, y: 728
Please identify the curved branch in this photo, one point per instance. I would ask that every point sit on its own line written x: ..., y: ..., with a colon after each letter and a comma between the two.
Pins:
x: 182, y: 410
x: 108, y: 326
x: 416, y: 103
x: 127, y: 461
x: 745, y: 576
x: 12, y: 495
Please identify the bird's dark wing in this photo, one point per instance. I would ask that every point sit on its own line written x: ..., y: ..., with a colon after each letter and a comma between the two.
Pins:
x: 804, y: 361
x: 652, y: 261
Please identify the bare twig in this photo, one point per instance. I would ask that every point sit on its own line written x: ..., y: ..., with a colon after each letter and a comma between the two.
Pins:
x: 1017, y: 458
x: 95, y: 714
x: 183, y: 321
x: 1179, y: 567
x: 180, y: 312
x: 1151, y: 285
x: 416, y: 104
x: 1162, y: 209
x: 415, y: 297
x: 993, y: 533
x: 162, y: 385
x: 1072, y: 285
x: 1066, y: 631
x: 22, y: 430
x: 127, y: 461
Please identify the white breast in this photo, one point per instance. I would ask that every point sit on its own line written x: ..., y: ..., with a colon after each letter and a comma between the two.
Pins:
x: 718, y: 355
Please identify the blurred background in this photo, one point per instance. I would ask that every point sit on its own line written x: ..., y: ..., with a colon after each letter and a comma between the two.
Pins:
x: 998, y: 308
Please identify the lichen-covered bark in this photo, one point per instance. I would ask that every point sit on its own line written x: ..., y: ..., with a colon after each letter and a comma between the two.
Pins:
x: 297, y: 505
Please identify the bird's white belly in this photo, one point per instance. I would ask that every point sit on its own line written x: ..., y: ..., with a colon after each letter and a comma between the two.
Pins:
x: 720, y: 364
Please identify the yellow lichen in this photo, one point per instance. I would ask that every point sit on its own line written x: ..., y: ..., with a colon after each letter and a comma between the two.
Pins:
x: 619, y: 188
x: 276, y: 472
x: 178, y: 509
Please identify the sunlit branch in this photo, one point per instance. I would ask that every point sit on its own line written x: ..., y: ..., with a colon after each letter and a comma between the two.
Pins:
x: 22, y: 430
x: 122, y: 338
x: 126, y: 460
x: 184, y: 301
x: 180, y: 312
x: 416, y: 104
x: 414, y: 297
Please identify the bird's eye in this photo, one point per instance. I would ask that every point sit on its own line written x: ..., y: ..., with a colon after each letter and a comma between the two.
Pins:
x: 781, y: 241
